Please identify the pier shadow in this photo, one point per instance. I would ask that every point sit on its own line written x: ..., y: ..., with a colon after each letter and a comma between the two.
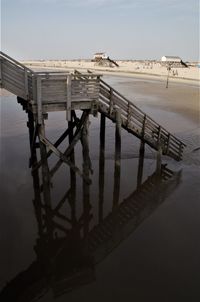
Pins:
x: 69, y: 245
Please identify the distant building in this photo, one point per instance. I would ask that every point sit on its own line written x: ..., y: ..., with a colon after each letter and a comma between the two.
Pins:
x: 99, y: 56
x: 171, y: 59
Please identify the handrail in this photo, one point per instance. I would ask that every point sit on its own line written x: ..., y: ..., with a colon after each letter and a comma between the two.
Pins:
x: 133, y: 118
x: 138, y: 109
x: 170, y: 139
x: 2, y: 54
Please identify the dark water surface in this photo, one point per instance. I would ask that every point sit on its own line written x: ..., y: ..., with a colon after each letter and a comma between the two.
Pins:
x: 148, y: 247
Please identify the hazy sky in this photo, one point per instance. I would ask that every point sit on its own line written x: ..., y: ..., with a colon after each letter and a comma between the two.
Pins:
x: 124, y: 29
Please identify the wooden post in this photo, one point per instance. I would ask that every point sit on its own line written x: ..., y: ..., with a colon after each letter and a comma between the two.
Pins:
x: 68, y: 103
x: 102, y: 132
x: 26, y: 83
x: 45, y: 168
x: 117, y: 170
x: 159, y: 152
x: 168, y: 143
x: 101, y: 166
x: 141, y: 153
x: 71, y: 136
x: 86, y: 172
x: 143, y: 126
x: 116, y: 190
x: 128, y: 115
x: 141, y: 163
x: 159, y: 160
x: 39, y: 100
x: 32, y: 136
x: 168, y: 68
x: 111, y: 101
x: 37, y: 202
x: 118, y: 137
x: 46, y: 180
x: 72, y: 199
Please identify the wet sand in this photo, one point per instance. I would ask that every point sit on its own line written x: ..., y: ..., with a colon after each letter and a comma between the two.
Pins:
x: 160, y: 259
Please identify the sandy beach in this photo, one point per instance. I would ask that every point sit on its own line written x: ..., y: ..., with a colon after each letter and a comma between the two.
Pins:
x: 143, y: 69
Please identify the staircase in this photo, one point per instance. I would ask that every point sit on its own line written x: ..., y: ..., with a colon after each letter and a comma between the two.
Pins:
x: 55, y: 91
x: 138, y: 123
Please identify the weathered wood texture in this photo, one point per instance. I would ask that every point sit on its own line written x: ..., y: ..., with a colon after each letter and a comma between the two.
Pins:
x: 54, y: 89
x: 138, y: 123
x: 50, y: 91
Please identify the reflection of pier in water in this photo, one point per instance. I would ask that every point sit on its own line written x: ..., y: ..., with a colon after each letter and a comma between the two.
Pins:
x: 69, y: 246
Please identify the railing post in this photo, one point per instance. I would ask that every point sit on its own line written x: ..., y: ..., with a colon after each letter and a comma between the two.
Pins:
x: 159, y: 135
x: 143, y: 126
x: 159, y: 154
x: 168, y: 143
x: 111, y: 101
x: 128, y: 115
x: 26, y: 83
x: 101, y: 165
x: 118, y: 137
x: 39, y: 99
x: 1, y: 72
x: 141, y: 163
x: 69, y: 95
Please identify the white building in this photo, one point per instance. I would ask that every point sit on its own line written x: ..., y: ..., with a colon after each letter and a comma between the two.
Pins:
x: 171, y: 59
x: 99, y: 56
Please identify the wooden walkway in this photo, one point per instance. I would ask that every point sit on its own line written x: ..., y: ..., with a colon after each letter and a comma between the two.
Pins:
x: 55, y: 91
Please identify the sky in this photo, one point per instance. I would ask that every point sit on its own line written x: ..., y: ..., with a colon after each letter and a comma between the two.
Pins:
x: 76, y: 29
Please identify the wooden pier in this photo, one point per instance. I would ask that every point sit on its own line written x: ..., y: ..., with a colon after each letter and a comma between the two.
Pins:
x: 43, y: 92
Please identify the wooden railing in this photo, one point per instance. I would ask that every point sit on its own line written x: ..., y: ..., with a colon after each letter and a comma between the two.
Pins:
x: 136, y: 121
x: 49, y: 88
x: 15, y: 77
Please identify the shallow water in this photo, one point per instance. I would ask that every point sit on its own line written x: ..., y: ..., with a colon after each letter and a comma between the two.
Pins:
x: 154, y: 257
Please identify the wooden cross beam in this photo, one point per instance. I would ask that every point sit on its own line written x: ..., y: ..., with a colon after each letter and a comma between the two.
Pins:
x: 63, y: 157
x: 56, y: 144
x: 76, y: 138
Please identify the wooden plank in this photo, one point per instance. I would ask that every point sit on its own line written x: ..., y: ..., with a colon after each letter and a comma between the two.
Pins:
x: 12, y: 71
x: 13, y: 89
x: 148, y: 118
x: 12, y: 79
x: 13, y: 61
x: 13, y: 84
x: 103, y: 99
x: 51, y: 107
x: 12, y: 66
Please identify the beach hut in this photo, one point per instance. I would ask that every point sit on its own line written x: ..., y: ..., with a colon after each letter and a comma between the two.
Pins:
x: 100, y: 56
x: 172, y: 59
